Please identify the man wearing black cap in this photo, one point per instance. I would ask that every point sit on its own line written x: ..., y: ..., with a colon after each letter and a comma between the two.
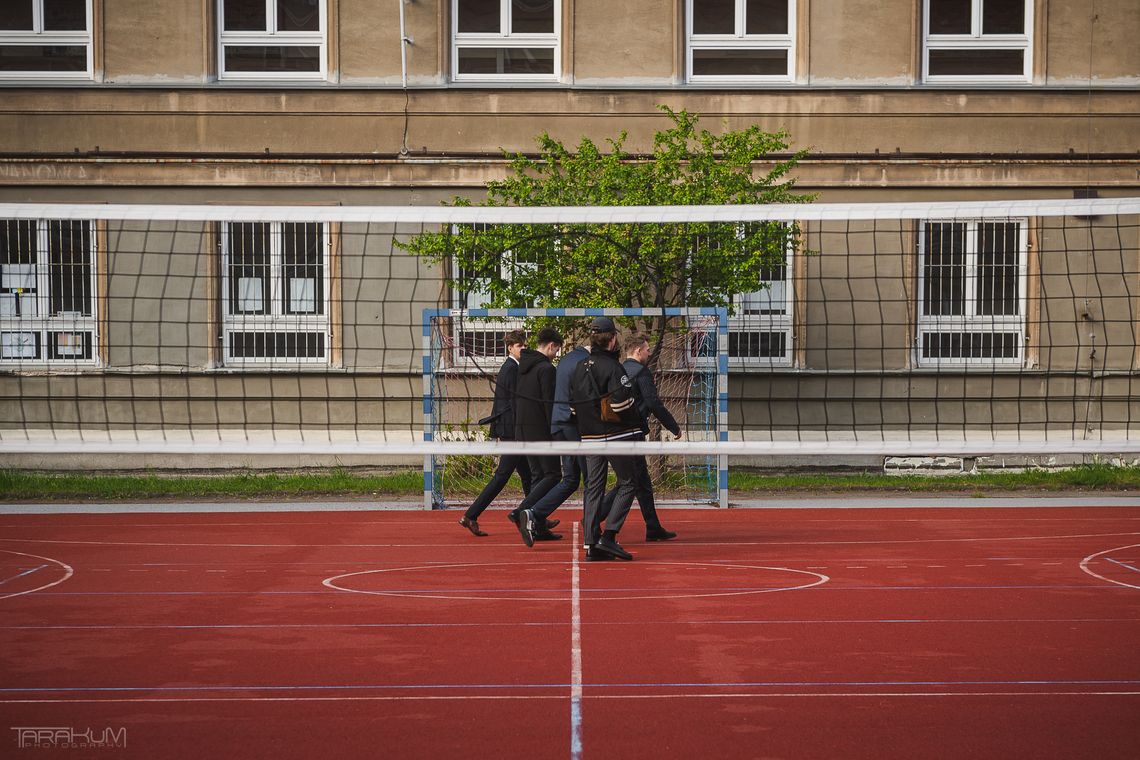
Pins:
x: 603, y: 400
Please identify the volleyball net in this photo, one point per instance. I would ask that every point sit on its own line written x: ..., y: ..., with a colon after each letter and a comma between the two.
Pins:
x: 871, y: 329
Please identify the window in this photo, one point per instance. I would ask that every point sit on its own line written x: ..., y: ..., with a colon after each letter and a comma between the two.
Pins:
x: 760, y: 329
x: 47, y: 292
x: 271, y: 39
x: 45, y: 39
x: 741, y: 40
x: 479, y: 341
x: 978, y: 41
x: 515, y: 40
x: 275, y: 293
x: 972, y: 292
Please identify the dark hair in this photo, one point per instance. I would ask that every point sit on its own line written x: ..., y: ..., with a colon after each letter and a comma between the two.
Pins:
x: 515, y: 336
x: 600, y: 341
x: 549, y: 335
x: 632, y: 342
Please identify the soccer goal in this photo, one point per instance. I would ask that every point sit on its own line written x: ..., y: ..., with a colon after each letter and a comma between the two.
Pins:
x: 463, y: 349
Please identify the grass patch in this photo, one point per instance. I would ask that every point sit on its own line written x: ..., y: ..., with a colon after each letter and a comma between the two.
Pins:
x: 25, y: 486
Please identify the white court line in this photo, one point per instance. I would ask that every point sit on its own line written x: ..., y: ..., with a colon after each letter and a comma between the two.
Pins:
x: 1087, y: 560
x: 515, y: 544
x: 575, y: 653
x: 21, y: 575
x: 1123, y: 564
x: 68, y: 572
x: 506, y: 697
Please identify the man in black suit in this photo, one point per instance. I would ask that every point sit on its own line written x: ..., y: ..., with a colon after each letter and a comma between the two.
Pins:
x: 502, y: 420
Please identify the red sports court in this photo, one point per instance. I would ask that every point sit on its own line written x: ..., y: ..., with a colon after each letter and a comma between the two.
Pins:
x: 992, y: 631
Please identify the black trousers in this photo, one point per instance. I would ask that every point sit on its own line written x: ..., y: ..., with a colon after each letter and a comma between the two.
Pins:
x: 573, y: 470
x: 546, y: 473
x: 597, y: 469
x: 643, y: 483
x: 508, y: 463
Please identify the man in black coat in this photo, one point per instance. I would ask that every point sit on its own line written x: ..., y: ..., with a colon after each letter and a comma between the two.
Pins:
x: 635, y: 348
x: 502, y: 420
x: 534, y: 403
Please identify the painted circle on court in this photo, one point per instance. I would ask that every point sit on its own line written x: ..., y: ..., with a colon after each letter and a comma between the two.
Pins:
x: 1124, y: 571
x: 30, y: 577
x: 749, y: 580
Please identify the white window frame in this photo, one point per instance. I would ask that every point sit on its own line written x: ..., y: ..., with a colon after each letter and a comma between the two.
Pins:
x: 505, y: 38
x: 276, y: 321
x: 38, y: 36
x: 43, y: 323
x: 273, y: 38
x: 744, y: 324
x: 740, y: 41
x: 975, y: 40
x: 967, y: 322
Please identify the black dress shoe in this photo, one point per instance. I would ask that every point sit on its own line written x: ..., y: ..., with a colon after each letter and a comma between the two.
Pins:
x: 593, y: 555
x: 513, y: 516
x: 471, y: 525
x: 552, y: 524
x: 546, y: 535
x: 659, y: 534
x: 610, y: 546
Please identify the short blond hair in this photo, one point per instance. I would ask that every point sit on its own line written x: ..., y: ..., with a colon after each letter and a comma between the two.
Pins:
x: 632, y: 342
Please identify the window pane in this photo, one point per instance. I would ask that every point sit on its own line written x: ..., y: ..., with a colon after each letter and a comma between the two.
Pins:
x: 65, y: 15
x: 16, y: 15
x: 245, y: 16
x: 973, y: 345
x: 1003, y: 16
x: 997, y: 268
x: 944, y: 269
x: 17, y: 269
x: 277, y: 345
x: 273, y: 58
x: 532, y: 16
x: 47, y: 58
x: 950, y: 16
x: 714, y: 62
x: 69, y: 345
x: 249, y: 268
x: 299, y: 15
x: 303, y: 269
x: 766, y: 17
x: 479, y: 16
x: 506, y: 61
x: 758, y: 345
x: 979, y: 62
x: 69, y: 269
x: 714, y: 16
x: 20, y: 345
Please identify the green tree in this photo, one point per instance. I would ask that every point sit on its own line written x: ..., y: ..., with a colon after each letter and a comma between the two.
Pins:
x: 617, y: 265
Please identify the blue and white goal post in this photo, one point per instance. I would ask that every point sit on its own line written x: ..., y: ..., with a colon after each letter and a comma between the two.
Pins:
x: 463, y: 350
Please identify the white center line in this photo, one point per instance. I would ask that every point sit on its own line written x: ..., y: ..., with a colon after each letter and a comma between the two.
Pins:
x: 575, y: 653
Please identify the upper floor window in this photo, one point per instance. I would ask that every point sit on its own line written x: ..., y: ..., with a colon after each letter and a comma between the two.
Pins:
x: 972, y: 292
x: 740, y: 40
x: 275, y: 293
x: 496, y: 40
x: 47, y: 292
x: 45, y: 39
x: 272, y: 39
x: 978, y: 41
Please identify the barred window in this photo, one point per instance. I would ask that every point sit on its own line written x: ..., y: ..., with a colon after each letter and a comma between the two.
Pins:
x: 47, y: 292
x: 272, y: 39
x: 760, y: 330
x: 45, y: 39
x: 275, y: 293
x: 741, y: 40
x: 495, y: 40
x: 972, y: 292
x: 977, y: 41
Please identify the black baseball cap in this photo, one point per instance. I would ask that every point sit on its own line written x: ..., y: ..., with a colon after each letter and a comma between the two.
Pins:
x: 603, y: 325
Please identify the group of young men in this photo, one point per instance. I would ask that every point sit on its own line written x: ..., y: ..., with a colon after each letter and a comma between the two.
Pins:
x: 589, y: 396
